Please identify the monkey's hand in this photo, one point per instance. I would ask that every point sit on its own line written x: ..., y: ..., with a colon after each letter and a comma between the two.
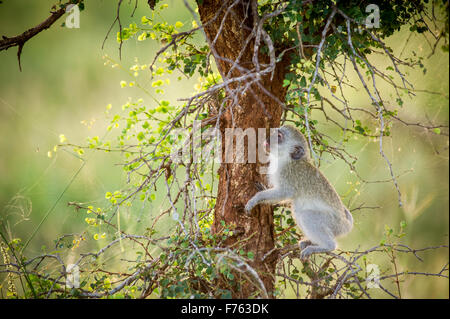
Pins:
x: 255, y: 199
x: 250, y: 204
x: 268, y: 196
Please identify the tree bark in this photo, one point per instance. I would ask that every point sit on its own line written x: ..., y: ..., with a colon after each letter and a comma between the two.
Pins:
x: 237, y: 181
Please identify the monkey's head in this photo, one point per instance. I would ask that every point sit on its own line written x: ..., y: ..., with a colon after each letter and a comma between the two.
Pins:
x: 289, y: 142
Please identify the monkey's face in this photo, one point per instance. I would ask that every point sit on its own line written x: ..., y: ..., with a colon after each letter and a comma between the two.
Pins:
x: 272, y: 142
x: 287, y: 142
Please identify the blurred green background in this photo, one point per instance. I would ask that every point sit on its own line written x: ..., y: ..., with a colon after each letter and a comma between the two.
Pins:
x: 64, y: 88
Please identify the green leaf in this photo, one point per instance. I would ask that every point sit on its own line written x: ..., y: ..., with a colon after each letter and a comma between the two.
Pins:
x: 303, y: 82
x: 140, y: 136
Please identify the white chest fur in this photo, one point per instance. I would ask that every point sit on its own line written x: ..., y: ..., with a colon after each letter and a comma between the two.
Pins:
x: 275, y: 165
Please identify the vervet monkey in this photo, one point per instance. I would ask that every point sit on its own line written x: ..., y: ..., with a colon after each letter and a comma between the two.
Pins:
x: 318, y: 209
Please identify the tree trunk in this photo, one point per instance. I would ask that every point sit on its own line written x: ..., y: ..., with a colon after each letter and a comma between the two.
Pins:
x: 237, y: 181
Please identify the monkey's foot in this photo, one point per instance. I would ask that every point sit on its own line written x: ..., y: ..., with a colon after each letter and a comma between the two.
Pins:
x: 305, y: 253
x: 313, y: 249
x: 305, y: 243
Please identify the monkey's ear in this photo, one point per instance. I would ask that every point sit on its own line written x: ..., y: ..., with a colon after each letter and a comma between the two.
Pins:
x: 297, y: 153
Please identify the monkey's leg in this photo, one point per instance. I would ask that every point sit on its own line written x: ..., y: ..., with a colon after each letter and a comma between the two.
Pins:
x: 315, y: 227
x: 268, y: 196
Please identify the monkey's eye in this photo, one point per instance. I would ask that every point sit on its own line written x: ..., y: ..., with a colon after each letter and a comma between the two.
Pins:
x: 280, y: 137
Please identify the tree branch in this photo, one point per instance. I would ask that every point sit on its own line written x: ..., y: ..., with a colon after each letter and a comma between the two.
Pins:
x: 21, y: 39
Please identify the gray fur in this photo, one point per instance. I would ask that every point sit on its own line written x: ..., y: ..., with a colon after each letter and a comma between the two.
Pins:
x: 317, y: 207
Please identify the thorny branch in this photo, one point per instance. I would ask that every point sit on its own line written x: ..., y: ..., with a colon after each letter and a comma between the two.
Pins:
x: 21, y: 39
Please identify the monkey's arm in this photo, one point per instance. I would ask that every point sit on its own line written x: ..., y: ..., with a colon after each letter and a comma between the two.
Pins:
x: 269, y: 196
